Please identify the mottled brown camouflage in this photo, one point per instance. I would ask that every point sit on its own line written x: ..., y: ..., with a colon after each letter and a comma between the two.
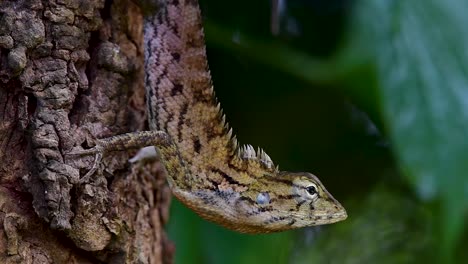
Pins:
x: 234, y: 186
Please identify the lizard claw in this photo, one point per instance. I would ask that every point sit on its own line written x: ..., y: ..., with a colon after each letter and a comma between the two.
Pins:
x: 97, y: 161
x: 97, y: 151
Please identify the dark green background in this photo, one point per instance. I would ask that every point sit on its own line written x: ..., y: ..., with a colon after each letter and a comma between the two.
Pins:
x: 371, y: 96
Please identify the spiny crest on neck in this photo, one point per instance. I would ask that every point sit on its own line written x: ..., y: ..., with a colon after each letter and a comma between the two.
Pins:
x: 247, y: 152
x: 191, y: 66
x: 244, y: 152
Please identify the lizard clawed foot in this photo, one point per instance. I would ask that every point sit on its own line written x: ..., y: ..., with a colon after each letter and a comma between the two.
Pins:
x: 97, y: 161
x: 98, y: 152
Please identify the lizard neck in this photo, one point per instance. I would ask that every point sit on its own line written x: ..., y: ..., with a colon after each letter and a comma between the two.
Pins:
x: 181, y: 100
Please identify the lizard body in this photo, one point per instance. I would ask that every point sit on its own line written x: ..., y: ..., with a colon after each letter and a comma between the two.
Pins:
x: 236, y: 187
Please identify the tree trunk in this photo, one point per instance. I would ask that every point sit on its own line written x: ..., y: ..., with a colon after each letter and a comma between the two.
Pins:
x: 70, y: 69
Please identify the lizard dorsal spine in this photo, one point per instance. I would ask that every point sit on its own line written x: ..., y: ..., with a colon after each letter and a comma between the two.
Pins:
x: 180, y: 96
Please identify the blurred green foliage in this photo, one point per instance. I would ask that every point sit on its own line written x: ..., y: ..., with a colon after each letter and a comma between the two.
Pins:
x: 371, y: 96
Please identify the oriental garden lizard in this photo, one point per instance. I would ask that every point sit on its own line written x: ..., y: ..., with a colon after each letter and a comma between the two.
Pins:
x: 207, y: 170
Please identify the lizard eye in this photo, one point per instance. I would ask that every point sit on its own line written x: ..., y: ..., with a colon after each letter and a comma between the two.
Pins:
x: 263, y: 198
x: 312, y: 190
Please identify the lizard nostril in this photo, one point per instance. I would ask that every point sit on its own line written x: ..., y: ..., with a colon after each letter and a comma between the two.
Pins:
x: 312, y: 207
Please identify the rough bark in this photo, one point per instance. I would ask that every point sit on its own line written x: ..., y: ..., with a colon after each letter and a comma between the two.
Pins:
x: 71, y: 71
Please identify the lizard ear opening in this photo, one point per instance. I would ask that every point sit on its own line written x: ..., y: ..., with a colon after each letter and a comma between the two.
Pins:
x: 263, y: 198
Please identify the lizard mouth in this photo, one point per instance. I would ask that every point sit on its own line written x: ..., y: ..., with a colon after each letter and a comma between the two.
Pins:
x: 337, y: 217
x: 330, y: 218
x: 340, y: 216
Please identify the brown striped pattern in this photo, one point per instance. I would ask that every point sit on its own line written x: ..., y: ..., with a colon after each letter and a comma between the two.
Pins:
x: 206, y: 169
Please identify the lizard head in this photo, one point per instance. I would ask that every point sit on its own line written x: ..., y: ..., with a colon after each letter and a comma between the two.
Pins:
x: 272, y: 203
x: 286, y: 200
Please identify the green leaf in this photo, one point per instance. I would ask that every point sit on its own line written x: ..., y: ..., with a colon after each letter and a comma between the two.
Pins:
x: 420, y: 52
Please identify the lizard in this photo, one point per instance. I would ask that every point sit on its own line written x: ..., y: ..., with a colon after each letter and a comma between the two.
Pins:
x: 207, y: 169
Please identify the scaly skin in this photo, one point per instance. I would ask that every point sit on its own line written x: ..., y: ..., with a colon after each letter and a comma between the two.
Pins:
x: 233, y: 186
